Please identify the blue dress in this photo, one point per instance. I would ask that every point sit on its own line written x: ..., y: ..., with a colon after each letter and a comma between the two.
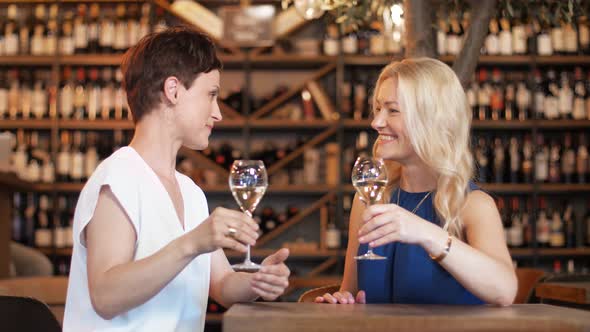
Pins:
x: 409, y: 275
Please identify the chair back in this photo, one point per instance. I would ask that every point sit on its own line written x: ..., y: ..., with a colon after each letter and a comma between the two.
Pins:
x: 311, y: 294
x: 25, y: 314
x: 527, y: 281
x: 49, y: 290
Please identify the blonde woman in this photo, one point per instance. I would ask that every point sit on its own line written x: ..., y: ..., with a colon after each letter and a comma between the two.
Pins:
x: 442, y: 237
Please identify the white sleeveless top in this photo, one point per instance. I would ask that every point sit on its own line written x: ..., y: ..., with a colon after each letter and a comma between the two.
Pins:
x: 181, y: 305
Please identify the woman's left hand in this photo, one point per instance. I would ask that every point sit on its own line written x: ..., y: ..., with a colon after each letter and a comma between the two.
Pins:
x: 273, y: 277
x: 386, y: 223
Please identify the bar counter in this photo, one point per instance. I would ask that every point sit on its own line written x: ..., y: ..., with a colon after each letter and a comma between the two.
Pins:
x: 311, y: 317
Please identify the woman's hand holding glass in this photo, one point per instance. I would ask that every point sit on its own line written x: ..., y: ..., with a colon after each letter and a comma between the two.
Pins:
x: 224, y: 228
x: 386, y: 223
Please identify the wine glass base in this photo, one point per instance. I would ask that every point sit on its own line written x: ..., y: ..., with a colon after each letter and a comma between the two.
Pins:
x: 246, y: 267
x: 370, y: 257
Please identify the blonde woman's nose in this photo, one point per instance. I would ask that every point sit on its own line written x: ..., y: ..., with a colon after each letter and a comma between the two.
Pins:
x: 378, y: 121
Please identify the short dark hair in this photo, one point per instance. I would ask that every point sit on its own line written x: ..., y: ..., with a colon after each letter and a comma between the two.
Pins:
x: 180, y: 51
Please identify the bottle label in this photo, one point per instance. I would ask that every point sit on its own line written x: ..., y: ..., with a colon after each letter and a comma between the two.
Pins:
x: 505, y: 42
x: 350, y: 45
x: 3, y: 103
x: 63, y: 163
x: 67, y: 102
x: 565, y: 100
x: 551, y: 107
x: 569, y: 162
x: 120, y: 38
x: 39, y: 103
x: 453, y: 44
x: 42, y: 236
x: 11, y: 44
x: 94, y: 99
x: 557, y: 39
x: 333, y: 238
x: 584, y: 36
x: 93, y: 31
x: 80, y: 35
x: 67, y: 45
x: 519, y: 43
x: 91, y: 162
x: 37, y: 43
x: 59, y: 239
x: 50, y: 45
x: 107, y: 31
x: 441, y: 42
x: 570, y: 39
x: 77, y: 168
x: 544, y: 46
x: 541, y: 168
x: 492, y: 44
x: 48, y: 173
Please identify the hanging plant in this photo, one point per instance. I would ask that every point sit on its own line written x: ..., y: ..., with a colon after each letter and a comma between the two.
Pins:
x: 355, y: 14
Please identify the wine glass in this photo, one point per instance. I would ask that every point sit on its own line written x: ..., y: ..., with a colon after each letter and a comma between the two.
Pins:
x: 369, y: 177
x: 248, y: 182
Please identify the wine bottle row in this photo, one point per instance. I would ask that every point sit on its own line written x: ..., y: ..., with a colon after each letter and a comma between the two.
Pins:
x: 63, y: 29
x: 527, y: 32
x: 40, y: 222
x: 84, y: 94
x: 556, y: 227
x: 498, y: 97
x: 78, y: 154
x: 516, y: 159
x: 314, y: 166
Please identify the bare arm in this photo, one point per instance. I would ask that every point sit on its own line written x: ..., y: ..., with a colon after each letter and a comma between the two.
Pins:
x: 484, y: 255
x: 472, y: 263
x: 113, y: 276
x: 349, y: 286
x: 349, y: 280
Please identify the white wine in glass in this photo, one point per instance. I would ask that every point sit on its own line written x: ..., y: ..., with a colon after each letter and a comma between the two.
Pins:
x: 369, y: 178
x: 248, y: 182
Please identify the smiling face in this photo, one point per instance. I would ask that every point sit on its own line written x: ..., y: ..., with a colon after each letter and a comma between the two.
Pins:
x: 393, y: 142
x: 197, y: 110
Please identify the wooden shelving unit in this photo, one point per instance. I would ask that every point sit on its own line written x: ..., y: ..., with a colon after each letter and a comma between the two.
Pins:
x: 249, y: 120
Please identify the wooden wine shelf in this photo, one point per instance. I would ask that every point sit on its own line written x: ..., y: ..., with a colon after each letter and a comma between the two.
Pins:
x: 108, y: 59
x: 128, y: 124
x: 280, y: 124
x: 563, y: 124
x: 28, y: 60
x: 285, y: 61
x: 27, y: 124
x: 290, y: 61
x: 563, y: 60
x: 502, y: 124
x: 507, y: 188
x: 564, y: 188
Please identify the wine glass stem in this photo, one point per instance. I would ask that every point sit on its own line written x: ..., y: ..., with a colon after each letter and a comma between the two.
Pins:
x: 247, y: 260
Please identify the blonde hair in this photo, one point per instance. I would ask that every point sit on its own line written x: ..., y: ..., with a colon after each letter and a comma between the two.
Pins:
x: 438, y: 118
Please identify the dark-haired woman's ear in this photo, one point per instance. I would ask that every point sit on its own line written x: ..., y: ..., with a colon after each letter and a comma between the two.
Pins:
x: 171, y: 85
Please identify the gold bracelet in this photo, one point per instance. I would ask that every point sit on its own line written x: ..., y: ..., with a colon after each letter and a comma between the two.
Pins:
x: 445, y: 252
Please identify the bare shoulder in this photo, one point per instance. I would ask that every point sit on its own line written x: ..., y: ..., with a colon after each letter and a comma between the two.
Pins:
x: 479, y: 206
